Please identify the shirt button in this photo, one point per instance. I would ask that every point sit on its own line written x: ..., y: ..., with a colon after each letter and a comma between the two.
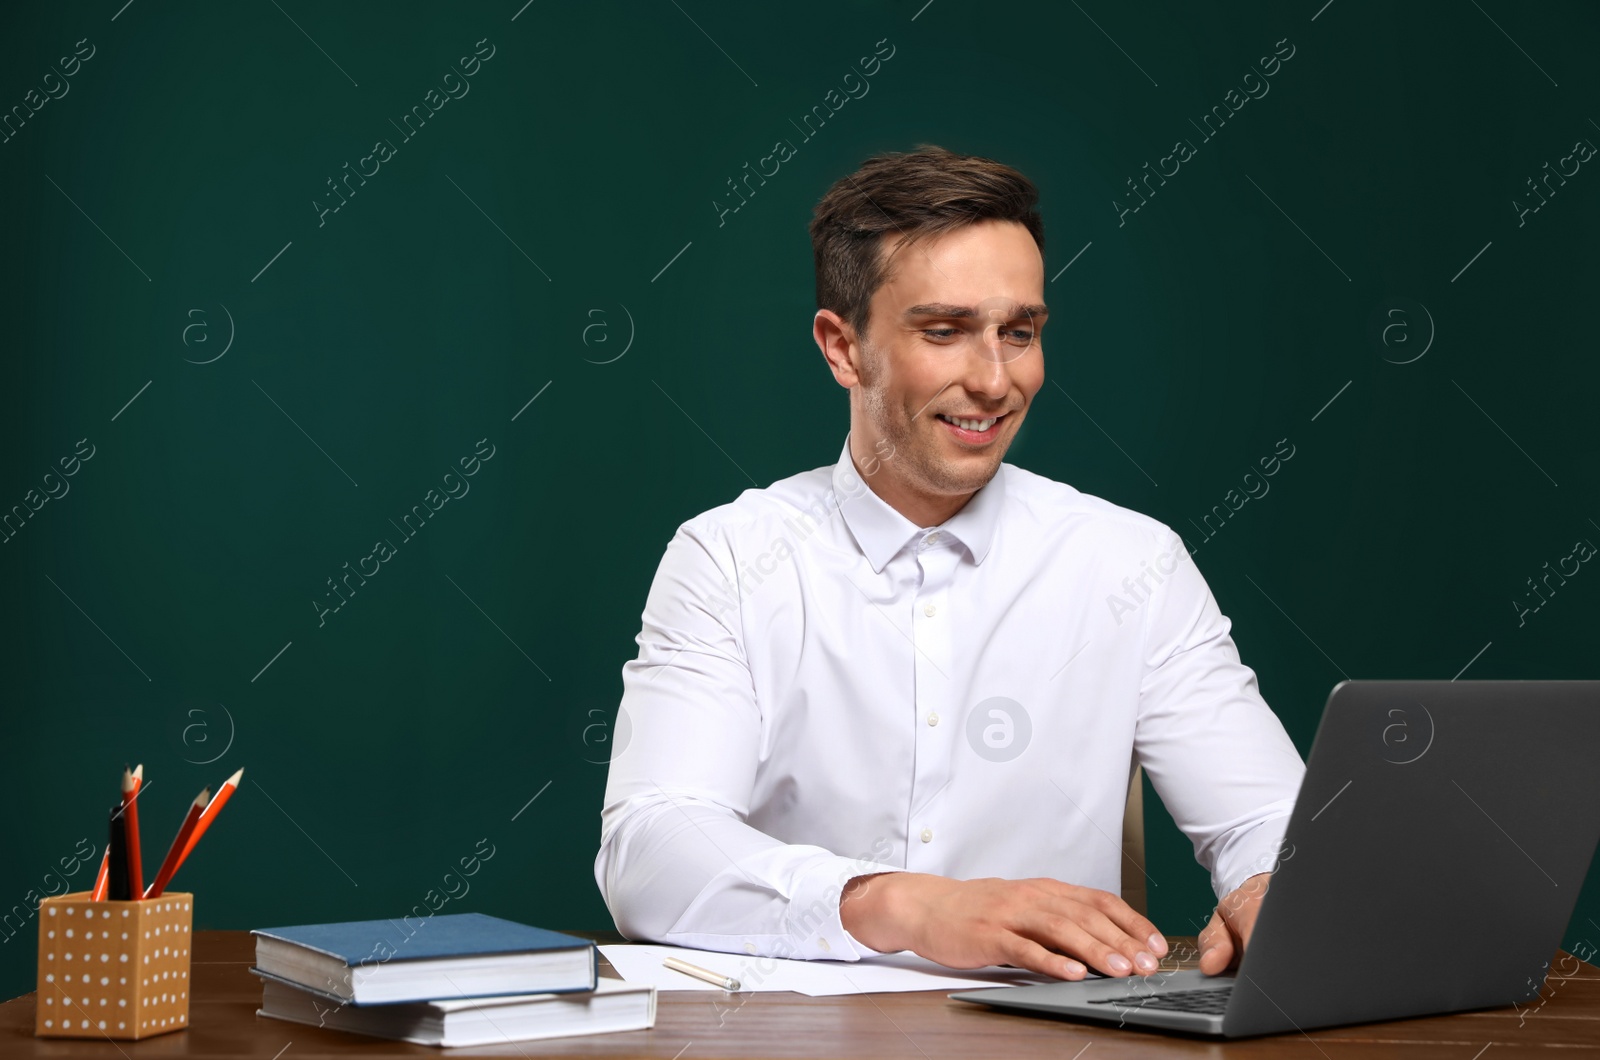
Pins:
x: 933, y: 538
x: 823, y: 943
x: 929, y: 609
x: 927, y: 835
x: 933, y: 719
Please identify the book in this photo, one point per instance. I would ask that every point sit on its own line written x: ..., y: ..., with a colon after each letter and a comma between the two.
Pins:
x: 451, y: 956
x: 612, y: 1006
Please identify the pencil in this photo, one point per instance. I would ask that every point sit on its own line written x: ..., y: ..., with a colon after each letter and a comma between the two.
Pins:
x: 117, y: 873
x: 102, y: 878
x: 703, y: 974
x: 179, y: 842
x: 131, y: 782
x: 208, y: 815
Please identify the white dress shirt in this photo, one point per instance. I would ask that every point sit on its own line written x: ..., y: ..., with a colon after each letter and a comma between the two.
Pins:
x: 824, y: 690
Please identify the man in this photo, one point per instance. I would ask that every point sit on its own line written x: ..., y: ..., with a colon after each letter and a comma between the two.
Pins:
x: 896, y: 703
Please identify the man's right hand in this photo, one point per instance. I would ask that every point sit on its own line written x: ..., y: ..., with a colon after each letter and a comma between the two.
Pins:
x: 1042, y: 925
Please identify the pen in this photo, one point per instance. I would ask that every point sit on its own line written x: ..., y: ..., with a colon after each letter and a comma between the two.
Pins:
x: 180, y: 842
x: 131, y: 782
x: 704, y: 975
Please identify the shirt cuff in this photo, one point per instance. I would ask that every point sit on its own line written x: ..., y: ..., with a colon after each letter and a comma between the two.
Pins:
x: 1266, y: 849
x: 861, y: 948
x: 813, y: 920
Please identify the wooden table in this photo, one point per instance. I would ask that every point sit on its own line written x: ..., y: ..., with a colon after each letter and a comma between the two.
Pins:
x: 697, y: 1026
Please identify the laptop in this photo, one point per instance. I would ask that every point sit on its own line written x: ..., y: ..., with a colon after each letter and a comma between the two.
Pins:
x: 1431, y: 864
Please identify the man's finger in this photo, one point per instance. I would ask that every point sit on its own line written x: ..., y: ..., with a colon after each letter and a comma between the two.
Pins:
x: 1108, y: 931
x: 1064, y: 934
x: 1216, y: 946
x: 1138, y: 928
x: 1026, y: 953
x: 1130, y: 929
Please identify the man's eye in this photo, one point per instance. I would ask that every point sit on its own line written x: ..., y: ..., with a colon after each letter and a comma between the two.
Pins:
x: 1015, y: 336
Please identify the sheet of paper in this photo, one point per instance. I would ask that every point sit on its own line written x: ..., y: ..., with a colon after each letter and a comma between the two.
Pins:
x: 890, y: 973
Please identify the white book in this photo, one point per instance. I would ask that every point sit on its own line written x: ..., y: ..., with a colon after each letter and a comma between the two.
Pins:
x: 612, y: 1006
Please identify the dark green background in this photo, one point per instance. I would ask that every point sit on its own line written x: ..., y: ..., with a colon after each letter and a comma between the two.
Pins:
x: 383, y: 746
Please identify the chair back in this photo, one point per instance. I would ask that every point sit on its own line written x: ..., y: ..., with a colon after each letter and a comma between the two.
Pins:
x: 1133, y: 878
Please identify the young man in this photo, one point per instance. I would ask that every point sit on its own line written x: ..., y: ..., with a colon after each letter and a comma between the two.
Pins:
x: 895, y: 703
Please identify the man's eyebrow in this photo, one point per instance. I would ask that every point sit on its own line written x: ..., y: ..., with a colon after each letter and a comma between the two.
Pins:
x: 945, y: 309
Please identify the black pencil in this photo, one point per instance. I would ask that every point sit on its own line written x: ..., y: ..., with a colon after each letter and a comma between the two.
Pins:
x: 120, y: 889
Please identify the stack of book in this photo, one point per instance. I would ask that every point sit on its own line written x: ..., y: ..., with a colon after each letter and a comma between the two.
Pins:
x: 459, y: 979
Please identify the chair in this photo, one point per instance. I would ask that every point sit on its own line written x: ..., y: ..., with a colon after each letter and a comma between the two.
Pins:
x: 1133, y: 878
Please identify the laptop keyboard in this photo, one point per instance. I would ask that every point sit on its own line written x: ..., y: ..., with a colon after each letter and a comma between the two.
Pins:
x: 1204, y: 1000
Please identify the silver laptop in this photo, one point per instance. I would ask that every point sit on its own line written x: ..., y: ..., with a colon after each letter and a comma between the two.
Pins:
x: 1431, y: 864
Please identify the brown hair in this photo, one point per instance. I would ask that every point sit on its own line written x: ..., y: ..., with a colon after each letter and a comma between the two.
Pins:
x: 925, y: 192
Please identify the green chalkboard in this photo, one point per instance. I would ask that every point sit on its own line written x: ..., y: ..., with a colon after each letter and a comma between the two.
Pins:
x: 262, y: 343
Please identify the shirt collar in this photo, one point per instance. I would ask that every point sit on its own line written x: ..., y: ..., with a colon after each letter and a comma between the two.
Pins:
x: 882, y: 532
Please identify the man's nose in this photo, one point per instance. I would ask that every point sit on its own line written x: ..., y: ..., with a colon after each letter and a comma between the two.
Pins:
x: 987, y: 373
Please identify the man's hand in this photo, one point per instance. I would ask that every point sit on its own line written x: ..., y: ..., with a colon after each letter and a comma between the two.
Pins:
x: 1223, y: 941
x: 1042, y: 925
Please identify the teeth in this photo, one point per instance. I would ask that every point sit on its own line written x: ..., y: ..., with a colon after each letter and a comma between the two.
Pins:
x: 971, y: 425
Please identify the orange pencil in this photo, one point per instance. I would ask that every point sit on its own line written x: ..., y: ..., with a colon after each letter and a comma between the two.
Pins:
x: 208, y: 815
x: 102, y: 880
x: 179, y: 842
x: 131, y: 782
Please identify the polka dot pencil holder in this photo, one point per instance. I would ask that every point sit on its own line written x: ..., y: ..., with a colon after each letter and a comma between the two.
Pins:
x: 113, y: 969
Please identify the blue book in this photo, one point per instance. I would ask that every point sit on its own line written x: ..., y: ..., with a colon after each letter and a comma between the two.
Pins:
x: 452, y: 956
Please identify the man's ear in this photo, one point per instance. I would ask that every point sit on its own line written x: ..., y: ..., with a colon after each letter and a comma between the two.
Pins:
x: 837, y: 341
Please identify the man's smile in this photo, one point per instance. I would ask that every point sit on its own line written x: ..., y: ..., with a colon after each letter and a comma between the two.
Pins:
x: 975, y: 431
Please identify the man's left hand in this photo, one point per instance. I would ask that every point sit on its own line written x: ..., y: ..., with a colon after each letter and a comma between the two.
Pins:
x: 1223, y: 941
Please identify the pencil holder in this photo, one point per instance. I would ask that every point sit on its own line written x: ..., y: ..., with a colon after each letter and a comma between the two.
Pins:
x: 113, y: 969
